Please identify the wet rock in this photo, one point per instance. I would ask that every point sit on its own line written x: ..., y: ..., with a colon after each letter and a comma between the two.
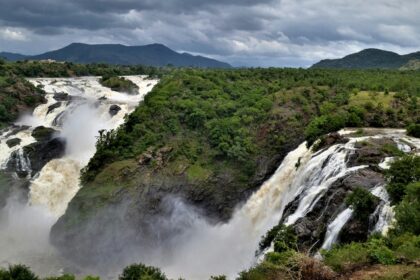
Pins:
x: 354, y: 230
x: 62, y: 96
x: 53, y: 107
x: 13, y: 142
x: 16, y: 129
x: 103, y: 98
x: 42, y: 133
x: 329, y: 140
x: 114, y: 109
x: 40, y: 153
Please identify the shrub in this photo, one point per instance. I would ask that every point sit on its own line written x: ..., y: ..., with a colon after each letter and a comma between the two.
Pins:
x: 346, y: 257
x: 379, y: 252
x: 362, y: 202
x: 414, y: 130
x: 401, y: 173
x: 407, y: 246
x: 407, y: 213
x: 142, y: 272
x: 220, y: 277
x: 284, y: 239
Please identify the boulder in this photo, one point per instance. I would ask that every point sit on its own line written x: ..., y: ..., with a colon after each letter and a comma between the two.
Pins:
x: 114, y: 109
x: 62, y: 96
x: 13, y: 142
x: 42, y: 133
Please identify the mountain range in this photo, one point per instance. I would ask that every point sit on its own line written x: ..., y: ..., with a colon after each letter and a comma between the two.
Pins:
x: 152, y: 55
x: 369, y: 59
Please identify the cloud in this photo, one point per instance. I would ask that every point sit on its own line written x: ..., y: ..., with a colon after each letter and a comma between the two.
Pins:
x: 243, y: 32
x: 12, y: 34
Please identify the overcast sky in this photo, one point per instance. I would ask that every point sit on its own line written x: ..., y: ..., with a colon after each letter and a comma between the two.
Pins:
x: 241, y: 32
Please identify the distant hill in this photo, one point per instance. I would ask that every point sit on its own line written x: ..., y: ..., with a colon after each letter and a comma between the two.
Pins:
x: 153, y: 55
x: 12, y: 56
x: 369, y: 59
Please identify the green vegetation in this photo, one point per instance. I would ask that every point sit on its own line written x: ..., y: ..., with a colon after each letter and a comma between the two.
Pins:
x: 132, y: 272
x: 414, y: 130
x: 16, y: 94
x: 142, y: 272
x: 401, y: 173
x: 119, y: 84
x: 362, y: 202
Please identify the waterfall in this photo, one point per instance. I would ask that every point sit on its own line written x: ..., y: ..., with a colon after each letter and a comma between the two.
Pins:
x: 86, y: 112
x: 322, y: 170
x: 335, y: 227
x: 83, y: 111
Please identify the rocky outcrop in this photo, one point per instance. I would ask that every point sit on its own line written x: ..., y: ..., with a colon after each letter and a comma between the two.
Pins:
x: 311, y: 229
x: 30, y: 159
x: 372, y: 152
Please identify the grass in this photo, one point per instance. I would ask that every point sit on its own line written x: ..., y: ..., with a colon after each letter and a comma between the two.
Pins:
x: 388, y: 272
x: 197, y: 173
x: 376, y: 98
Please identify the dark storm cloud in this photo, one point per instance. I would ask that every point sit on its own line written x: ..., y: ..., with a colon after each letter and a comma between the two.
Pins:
x: 244, y: 32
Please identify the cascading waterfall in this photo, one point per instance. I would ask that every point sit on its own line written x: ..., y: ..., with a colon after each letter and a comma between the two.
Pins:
x: 77, y: 108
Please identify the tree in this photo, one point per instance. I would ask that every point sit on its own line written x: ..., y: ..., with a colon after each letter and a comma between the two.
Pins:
x: 142, y: 272
x: 17, y: 272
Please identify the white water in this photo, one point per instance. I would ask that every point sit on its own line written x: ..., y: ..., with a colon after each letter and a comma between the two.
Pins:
x: 335, y: 227
x: 24, y: 230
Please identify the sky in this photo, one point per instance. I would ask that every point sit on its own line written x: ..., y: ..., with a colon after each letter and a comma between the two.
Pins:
x: 292, y: 33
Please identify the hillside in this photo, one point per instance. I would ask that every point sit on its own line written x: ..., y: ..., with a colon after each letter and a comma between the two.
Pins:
x: 368, y: 59
x: 150, y: 55
x: 413, y: 64
x: 211, y: 138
